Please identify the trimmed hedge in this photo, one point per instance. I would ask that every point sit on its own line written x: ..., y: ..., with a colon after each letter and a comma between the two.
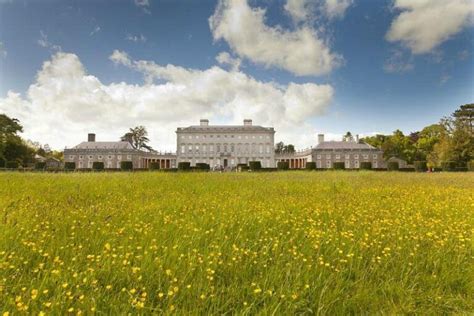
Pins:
x: 184, y: 165
x: 40, y: 165
x: 311, y: 165
x: 12, y: 165
x: 365, y: 165
x: 126, y: 165
x: 409, y: 169
x: 448, y: 165
x: 283, y: 165
x: 338, y: 166
x: 202, y: 166
x: 2, y: 163
x: 97, y: 165
x: 420, y: 166
x: 155, y: 165
x: 255, y: 165
x: 69, y: 165
x: 470, y: 165
x: 393, y: 166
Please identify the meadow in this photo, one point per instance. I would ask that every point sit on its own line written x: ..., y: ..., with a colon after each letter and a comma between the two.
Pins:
x: 323, y: 243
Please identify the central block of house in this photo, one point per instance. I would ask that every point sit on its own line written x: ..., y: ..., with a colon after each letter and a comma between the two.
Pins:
x: 226, y: 145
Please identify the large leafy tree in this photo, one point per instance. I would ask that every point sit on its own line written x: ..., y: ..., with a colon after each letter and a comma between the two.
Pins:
x: 12, y: 147
x: 138, y: 138
x: 281, y: 148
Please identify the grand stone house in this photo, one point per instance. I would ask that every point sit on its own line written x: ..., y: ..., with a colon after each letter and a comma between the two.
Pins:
x: 226, y: 145
x: 112, y: 153
x: 326, y: 153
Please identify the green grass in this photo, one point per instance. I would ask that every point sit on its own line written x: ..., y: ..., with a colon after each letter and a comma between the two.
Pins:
x: 203, y: 243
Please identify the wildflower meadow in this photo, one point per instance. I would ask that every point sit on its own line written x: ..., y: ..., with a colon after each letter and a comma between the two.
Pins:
x: 323, y: 243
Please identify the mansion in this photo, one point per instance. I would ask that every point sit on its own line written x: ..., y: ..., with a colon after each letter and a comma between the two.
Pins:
x: 225, y: 146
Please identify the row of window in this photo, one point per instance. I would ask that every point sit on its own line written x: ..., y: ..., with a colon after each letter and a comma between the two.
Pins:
x: 232, y: 162
x: 226, y: 148
x: 347, y: 156
x: 99, y: 157
x: 225, y: 136
x: 347, y: 164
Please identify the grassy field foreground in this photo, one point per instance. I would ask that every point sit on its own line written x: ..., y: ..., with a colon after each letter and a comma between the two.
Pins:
x: 276, y: 243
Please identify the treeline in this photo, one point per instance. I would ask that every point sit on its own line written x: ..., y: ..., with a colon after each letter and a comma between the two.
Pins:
x: 451, y: 141
x: 14, y: 150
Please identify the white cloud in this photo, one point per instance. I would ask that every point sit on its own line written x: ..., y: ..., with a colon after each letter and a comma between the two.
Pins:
x: 143, y: 4
x: 302, y: 52
x: 136, y: 38
x: 305, y: 10
x: 3, y: 51
x: 65, y: 102
x: 299, y: 10
x: 224, y: 58
x: 336, y: 8
x: 423, y: 25
x: 44, y: 42
x: 398, y: 62
x: 95, y: 30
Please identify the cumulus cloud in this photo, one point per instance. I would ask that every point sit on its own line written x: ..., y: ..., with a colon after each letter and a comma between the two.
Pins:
x: 143, y: 4
x: 306, y: 10
x: 224, y: 58
x: 398, y: 62
x: 65, y: 102
x: 136, y: 38
x: 44, y: 42
x: 302, y: 52
x: 422, y: 25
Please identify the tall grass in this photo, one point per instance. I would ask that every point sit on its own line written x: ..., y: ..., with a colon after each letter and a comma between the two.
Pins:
x: 277, y: 243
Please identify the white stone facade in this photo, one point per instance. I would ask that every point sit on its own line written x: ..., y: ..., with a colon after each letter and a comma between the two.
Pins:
x: 226, y: 145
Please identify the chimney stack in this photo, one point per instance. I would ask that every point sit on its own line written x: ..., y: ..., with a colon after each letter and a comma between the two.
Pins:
x: 204, y: 122
x: 91, y: 137
x: 357, y: 138
x: 320, y: 138
x: 247, y: 122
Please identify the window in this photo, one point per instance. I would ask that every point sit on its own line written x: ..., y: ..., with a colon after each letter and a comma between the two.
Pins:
x: 328, y: 164
x: 190, y: 137
x: 232, y: 148
x: 374, y: 156
x: 246, y: 136
x: 211, y: 148
x: 268, y: 149
x: 240, y: 136
x: 356, y: 156
x: 225, y: 148
x: 356, y: 164
x: 109, y: 164
x: 232, y: 162
x: 328, y: 156
x: 129, y: 157
x: 190, y: 148
x: 366, y: 156
x: 375, y: 164
x: 347, y: 164
x: 260, y: 136
x: 110, y: 157
x: 119, y: 157
x: 183, y: 137
x: 100, y: 157
x: 197, y: 148
x: 218, y: 148
x: 253, y: 136
x: 347, y: 156
x: 80, y: 164
x: 204, y: 148
x: 89, y: 164
x: 80, y: 157
x: 260, y: 149
x: 268, y: 136
x: 197, y: 136
x: 90, y: 156
x: 183, y: 149
x: 318, y: 164
x: 318, y: 156
x: 338, y: 156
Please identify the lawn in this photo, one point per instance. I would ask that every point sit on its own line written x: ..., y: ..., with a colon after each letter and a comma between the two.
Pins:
x: 254, y: 243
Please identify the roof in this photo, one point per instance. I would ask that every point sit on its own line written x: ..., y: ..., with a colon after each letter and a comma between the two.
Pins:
x: 344, y: 145
x: 225, y: 128
x: 104, y: 145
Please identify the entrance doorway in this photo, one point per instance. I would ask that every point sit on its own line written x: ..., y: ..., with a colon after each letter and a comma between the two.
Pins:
x: 225, y: 163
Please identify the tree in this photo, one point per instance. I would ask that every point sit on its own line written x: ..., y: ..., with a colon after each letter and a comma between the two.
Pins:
x: 9, y: 127
x: 138, y: 138
x: 465, y: 116
x: 290, y: 148
x: 279, y: 147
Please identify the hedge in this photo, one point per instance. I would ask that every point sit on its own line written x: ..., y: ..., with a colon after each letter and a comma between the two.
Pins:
x: 255, y: 165
x: 184, y: 165
x: 470, y: 165
x: 407, y: 169
x: 393, y: 165
x: 365, y: 165
x: 448, y: 165
x: 202, y: 166
x: 420, y: 166
x: 69, y: 165
x: 2, y: 163
x: 155, y: 165
x: 338, y: 166
x: 97, y: 165
x: 311, y: 165
x: 283, y: 165
x: 12, y: 165
x: 40, y: 165
x: 126, y: 165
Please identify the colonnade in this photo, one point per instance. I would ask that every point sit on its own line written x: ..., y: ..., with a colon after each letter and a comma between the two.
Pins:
x: 295, y: 163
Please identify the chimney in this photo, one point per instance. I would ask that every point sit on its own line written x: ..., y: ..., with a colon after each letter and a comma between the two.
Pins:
x: 204, y: 122
x: 247, y: 122
x: 357, y: 138
x: 91, y: 137
x: 320, y: 138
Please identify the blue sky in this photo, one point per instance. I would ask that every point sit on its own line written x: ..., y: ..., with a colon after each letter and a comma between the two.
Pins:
x: 389, y: 66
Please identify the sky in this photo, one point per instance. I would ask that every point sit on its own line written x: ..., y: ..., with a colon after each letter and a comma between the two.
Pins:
x: 68, y: 68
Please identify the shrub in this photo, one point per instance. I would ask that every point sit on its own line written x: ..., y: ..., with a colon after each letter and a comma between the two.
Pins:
x: 12, y: 165
x: 283, y: 165
x: 448, y: 165
x: 97, y: 165
x: 470, y: 165
x: 2, y: 163
x: 392, y: 166
x: 311, y: 165
x: 461, y: 169
x: 202, y: 166
x: 338, y: 166
x: 255, y: 165
x: 407, y: 169
x: 184, y: 165
x: 155, y: 165
x: 40, y: 165
x: 365, y: 165
x: 420, y: 166
x: 126, y: 165
x: 69, y: 165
